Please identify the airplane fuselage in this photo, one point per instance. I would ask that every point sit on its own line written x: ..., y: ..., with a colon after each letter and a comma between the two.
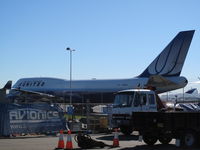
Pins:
x: 96, y: 91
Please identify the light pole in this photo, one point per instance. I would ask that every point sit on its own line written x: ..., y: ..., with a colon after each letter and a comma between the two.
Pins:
x: 70, y: 83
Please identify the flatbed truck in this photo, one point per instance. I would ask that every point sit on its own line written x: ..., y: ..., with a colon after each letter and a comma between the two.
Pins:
x: 142, y: 110
x: 164, y: 126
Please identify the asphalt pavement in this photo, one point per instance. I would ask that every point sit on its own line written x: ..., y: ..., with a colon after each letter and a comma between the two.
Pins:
x: 43, y: 142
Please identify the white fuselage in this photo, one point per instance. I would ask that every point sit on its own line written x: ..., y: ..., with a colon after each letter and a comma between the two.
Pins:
x: 96, y: 91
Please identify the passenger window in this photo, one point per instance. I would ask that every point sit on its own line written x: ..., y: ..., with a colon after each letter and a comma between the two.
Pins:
x: 151, y: 99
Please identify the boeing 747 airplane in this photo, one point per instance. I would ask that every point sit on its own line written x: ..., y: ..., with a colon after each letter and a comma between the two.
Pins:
x: 163, y: 74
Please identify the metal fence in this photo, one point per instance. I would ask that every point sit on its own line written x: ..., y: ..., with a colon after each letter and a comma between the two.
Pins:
x: 30, y: 118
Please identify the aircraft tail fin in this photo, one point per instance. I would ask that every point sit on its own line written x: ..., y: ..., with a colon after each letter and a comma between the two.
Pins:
x: 8, y: 85
x: 192, y: 91
x: 3, y: 91
x: 170, y: 61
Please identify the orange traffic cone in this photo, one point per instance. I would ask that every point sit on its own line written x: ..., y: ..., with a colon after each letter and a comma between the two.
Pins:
x: 61, y: 144
x: 69, y: 141
x: 116, y: 138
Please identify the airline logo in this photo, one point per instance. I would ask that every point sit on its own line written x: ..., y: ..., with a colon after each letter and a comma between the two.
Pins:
x: 31, y: 83
x: 170, y: 61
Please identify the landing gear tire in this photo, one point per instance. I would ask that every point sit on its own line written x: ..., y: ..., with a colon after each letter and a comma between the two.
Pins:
x: 126, y: 130
x: 189, y: 139
x: 149, y: 139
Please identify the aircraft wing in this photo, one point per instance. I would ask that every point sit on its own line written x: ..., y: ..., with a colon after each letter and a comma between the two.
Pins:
x: 32, y: 93
x: 159, y: 81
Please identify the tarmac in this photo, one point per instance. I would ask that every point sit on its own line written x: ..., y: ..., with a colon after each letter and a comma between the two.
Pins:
x: 43, y: 142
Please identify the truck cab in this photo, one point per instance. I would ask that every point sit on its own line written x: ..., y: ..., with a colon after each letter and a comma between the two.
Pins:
x: 128, y: 101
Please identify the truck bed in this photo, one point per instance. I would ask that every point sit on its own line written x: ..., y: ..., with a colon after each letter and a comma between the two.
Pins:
x: 170, y: 121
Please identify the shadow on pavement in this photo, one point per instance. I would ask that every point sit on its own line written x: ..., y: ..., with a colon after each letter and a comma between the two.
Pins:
x: 157, y: 147
x: 27, y: 137
x: 121, y: 137
x: 147, y: 147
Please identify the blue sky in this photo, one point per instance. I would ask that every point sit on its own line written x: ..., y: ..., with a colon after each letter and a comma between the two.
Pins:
x: 112, y: 39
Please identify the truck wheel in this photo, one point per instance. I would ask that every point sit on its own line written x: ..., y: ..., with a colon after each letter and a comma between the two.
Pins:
x: 149, y: 139
x: 189, y: 139
x: 126, y: 130
x: 165, y: 139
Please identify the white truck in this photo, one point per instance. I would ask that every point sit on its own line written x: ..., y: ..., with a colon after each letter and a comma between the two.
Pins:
x: 142, y: 110
x: 128, y: 101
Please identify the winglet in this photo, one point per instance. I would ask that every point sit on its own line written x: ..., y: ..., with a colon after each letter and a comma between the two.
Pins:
x: 170, y: 61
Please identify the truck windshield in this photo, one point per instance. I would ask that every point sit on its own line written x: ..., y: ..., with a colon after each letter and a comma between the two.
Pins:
x: 123, y: 99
